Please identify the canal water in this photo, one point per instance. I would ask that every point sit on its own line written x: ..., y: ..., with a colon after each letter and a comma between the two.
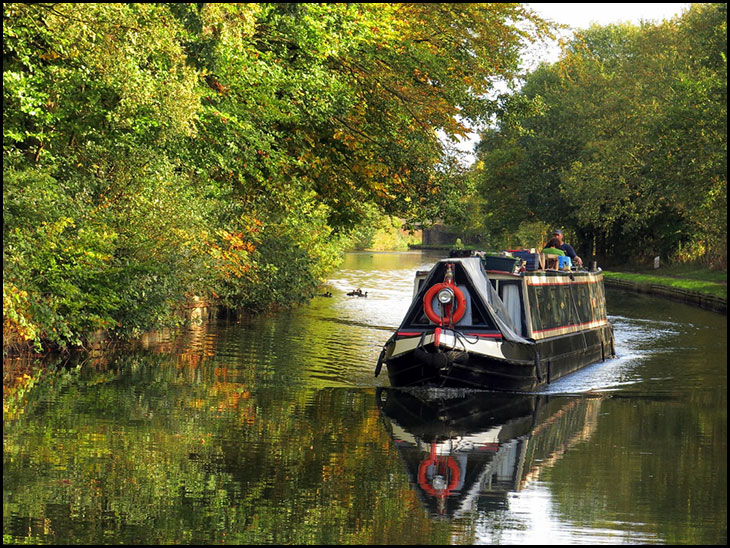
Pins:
x: 274, y: 430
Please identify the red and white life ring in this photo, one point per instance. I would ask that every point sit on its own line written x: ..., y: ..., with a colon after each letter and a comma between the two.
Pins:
x: 455, y: 315
x: 441, y: 463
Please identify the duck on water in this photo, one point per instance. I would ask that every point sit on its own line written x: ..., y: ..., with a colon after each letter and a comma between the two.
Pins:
x: 499, y: 323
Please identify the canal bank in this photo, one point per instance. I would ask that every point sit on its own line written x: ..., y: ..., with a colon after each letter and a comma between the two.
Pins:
x: 668, y: 288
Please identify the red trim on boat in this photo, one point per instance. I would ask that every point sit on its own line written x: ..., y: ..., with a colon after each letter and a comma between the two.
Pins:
x: 480, y: 335
x: 590, y: 325
x: 436, y: 336
x: 558, y: 281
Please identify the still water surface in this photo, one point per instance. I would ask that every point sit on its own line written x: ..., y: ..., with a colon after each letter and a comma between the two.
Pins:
x: 275, y: 431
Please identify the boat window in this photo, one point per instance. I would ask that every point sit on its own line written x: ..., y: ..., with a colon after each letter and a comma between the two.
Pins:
x: 478, y: 316
x: 547, y: 307
x: 509, y: 292
x: 582, y: 302
x: 554, y: 306
x: 601, y: 302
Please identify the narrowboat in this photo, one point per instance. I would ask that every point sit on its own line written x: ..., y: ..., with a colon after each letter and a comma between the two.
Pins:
x: 497, y: 324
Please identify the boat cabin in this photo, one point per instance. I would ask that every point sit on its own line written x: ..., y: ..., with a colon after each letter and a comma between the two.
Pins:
x: 539, y: 303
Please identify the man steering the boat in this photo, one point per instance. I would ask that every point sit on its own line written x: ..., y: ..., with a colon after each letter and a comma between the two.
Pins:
x: 568, y: 249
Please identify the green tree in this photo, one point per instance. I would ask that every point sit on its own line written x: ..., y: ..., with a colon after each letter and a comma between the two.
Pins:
x: 98, y: 228
x: 228, y: 151
x: 622, y: 140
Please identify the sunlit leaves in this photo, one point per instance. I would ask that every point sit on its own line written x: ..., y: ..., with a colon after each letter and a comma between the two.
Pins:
x: 168, y: 131
x: 623, y: 139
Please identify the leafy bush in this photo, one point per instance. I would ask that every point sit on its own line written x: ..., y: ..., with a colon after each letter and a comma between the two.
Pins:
x: 156, y: 152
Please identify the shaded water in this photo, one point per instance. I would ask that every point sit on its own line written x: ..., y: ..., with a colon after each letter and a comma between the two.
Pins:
x: 274, y: 431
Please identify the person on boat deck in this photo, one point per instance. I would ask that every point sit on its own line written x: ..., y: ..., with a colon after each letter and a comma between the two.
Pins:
x: 552, y: 248
x: 567, y: 248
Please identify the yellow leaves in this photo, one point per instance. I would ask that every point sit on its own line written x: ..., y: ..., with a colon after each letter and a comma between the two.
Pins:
x: 49, y: 56
x: 234, y: 258
x: 372, y: 170
x: 237, y: 242
x: 17, y: 322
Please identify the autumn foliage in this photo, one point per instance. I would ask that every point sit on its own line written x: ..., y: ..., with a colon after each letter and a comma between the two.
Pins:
x: 155, y: 152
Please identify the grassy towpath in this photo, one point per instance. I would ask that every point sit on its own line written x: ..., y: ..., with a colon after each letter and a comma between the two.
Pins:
x: 702, y: 286
x: 701, y: 280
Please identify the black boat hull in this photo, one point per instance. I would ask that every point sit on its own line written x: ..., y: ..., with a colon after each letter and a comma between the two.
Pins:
x: 525, y: 367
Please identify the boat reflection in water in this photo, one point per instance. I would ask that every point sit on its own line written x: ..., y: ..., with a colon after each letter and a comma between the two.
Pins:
x: 466, y: 450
